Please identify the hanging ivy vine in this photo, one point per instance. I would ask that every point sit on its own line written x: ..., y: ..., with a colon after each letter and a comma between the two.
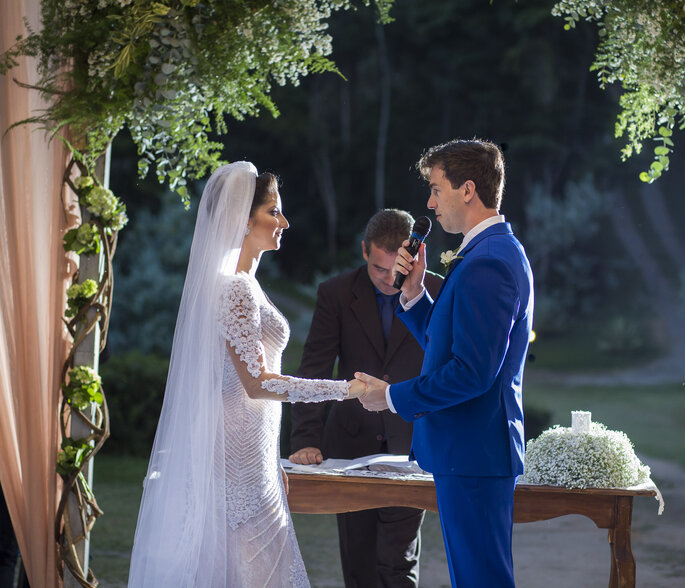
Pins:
x: 642, y: 48
x: 171, y: 72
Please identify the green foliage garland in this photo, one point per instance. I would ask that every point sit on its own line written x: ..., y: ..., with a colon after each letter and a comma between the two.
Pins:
x: 78, y: 295
x: 170, y: 70
x: 642, y: 47
x: 84, y: 239
x: 88, y: 305
x: 83, y: 387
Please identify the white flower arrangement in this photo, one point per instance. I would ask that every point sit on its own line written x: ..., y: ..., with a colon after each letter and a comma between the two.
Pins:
x: 447, y: 257
x: 599, y: 458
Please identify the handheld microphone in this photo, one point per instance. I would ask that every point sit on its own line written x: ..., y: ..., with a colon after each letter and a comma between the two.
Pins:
x: 422, y: 226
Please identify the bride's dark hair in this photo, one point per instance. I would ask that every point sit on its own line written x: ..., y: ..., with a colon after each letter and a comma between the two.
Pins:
x: 265, y: 185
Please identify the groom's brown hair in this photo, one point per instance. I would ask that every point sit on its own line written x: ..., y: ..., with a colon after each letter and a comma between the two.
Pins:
x: 478, y: 160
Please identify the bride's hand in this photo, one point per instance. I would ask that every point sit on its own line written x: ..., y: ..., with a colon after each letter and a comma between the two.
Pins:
x: 357, y: 388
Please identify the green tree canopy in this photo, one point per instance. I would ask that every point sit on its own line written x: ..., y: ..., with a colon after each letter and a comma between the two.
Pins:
x: 642, y: 48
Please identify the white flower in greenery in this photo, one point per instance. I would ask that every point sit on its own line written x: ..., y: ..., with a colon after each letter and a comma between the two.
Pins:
x: 102, y: 203
x: 82, y: 291
x: 83, y: 387
x: 597, y: 459
x: 84, y: 375
x: 447, y: 257
x: 79, y: 295
x: 83, y: 182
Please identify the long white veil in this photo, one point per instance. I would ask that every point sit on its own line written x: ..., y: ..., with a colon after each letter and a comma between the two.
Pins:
x: 182, y: 518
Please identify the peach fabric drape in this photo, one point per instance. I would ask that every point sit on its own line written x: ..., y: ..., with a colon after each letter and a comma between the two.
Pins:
x: 33, y: 278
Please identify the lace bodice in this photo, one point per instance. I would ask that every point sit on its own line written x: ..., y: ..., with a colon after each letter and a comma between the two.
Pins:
x: 257, y: 331
x: 264, y: 544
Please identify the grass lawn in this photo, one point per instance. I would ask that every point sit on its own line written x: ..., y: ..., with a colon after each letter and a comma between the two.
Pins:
x: 653, y: 417
x: 118, y: 488
x: 577, y: 350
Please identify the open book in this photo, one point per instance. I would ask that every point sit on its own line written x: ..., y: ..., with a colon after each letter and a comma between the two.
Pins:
x: 380, y: 462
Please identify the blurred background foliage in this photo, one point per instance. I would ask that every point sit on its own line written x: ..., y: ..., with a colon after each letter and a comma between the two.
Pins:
x: 606, y: 249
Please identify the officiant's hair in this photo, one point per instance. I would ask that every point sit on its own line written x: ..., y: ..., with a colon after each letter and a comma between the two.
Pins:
x: 265, y: 185
x: 478, y: 160
x: 388, y: 228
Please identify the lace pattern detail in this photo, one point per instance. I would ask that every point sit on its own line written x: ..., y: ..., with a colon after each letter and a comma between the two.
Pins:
x: 298, y: 576
x: 302, y: 390
x: 239, y: 320
x: 243, y: 503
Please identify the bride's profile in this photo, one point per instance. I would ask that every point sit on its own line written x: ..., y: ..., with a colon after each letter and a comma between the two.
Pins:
x: 214, y: 511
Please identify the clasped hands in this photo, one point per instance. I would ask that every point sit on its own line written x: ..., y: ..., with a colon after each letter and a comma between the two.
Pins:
x: 369, y: 391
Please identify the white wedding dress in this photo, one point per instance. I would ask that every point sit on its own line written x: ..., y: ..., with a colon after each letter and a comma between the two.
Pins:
x: 261, y: 541
x: 214, y: 512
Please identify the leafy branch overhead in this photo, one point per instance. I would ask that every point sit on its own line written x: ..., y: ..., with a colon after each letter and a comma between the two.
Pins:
x: 170, y: 71
x: 642, y: 47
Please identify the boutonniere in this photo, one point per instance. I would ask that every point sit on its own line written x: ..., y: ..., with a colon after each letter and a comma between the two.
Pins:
x: 447, y: 257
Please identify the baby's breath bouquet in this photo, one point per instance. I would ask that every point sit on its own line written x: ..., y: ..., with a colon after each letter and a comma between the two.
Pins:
x: 599, y: 458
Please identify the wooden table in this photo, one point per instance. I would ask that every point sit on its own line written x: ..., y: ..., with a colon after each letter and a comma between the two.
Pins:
x: 610, y: 509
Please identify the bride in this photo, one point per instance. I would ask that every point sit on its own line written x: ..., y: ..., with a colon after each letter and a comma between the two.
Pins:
x: 214, y: 511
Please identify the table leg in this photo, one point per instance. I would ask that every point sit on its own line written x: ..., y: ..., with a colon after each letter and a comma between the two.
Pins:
x: 622, y: 559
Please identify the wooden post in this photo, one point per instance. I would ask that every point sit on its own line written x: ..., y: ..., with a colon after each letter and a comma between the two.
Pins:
x: 87, y: 354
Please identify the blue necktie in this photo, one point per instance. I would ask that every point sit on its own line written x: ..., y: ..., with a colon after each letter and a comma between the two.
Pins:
x: 387, y: 311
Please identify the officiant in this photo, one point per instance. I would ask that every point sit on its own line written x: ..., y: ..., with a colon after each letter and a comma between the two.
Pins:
x: 354, y: 323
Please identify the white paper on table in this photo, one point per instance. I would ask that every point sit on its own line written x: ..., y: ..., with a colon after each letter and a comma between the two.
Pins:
x: 379, y: 462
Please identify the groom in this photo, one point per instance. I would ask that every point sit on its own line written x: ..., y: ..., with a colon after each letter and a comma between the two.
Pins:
x: 466, y: 404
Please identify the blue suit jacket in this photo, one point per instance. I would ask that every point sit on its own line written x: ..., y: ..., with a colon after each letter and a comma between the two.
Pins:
x: 466, y: 404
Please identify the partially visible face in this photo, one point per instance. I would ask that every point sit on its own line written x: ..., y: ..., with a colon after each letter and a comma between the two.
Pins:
x: 267, y: 224
x: 379, y: 264
x: 447, y: 202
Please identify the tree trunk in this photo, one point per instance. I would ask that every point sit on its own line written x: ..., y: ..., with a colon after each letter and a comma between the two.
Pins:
x: 323, y: 170
x: 384, y: 116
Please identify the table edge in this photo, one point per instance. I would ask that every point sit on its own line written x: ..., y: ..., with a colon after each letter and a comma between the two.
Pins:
x: 520, y: 488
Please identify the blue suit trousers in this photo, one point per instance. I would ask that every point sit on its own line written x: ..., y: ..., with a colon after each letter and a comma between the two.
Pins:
x: 477, y: 514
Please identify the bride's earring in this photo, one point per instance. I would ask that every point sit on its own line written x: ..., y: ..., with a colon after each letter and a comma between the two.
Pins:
x: 247, y: 231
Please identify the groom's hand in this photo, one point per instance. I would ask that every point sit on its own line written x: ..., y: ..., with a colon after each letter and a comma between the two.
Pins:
x: 413, y: 268
x: 373, y: 398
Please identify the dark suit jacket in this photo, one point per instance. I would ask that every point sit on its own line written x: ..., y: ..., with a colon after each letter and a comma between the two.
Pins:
x: 346, y: 326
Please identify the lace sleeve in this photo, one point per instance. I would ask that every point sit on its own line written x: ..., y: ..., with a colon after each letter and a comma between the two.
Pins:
x: 238, y: 316
x: 303, y: 390
x: 239, y: 320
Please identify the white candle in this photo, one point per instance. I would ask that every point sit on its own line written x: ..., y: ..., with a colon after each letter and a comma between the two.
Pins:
x: 580, y: 421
